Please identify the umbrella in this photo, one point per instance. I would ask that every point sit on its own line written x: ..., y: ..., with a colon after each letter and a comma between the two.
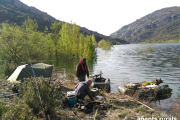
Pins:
x: 25, y: 71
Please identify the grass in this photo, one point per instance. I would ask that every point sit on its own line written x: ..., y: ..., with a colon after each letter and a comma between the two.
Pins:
x: 175, y: 109
x: 123, y: 114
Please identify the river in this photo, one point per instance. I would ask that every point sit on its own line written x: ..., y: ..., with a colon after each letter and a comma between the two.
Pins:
x: 123, y: 64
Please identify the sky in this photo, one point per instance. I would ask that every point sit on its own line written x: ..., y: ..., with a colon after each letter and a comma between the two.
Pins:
x: 102, y: 16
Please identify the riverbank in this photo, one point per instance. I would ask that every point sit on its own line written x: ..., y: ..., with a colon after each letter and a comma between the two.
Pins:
x: 113, y: 106
x: 123, y: 106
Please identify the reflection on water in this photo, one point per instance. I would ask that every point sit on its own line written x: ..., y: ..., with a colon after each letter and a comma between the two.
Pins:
x: 64, y: 67
x: 122, y: 63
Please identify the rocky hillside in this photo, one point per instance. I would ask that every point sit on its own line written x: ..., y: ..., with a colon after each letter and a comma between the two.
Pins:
x: 160, y: 25
x: 14, y: 11
x: 99, y: 36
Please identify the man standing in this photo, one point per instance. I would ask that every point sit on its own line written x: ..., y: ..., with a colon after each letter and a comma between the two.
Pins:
x: 82, y: 70
x: 82, y: 89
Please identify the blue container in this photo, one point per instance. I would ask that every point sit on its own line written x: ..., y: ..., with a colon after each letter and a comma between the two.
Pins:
x: 72, y: 101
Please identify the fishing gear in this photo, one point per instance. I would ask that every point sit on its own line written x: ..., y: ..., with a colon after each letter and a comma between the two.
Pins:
x: 36, y: 82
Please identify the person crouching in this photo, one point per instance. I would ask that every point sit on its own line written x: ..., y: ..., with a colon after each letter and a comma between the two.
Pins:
x: 82, y: 89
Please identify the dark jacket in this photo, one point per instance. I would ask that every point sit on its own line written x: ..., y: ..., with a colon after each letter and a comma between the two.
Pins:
x: 82, y: 89
x: 82, y: 69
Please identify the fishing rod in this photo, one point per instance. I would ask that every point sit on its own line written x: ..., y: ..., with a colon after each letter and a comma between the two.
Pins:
x: 35, y: 80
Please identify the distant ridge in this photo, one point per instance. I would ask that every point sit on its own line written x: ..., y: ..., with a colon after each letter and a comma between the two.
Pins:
x: 21, y: 5
x: 17, y: 12
x: 161, y: 25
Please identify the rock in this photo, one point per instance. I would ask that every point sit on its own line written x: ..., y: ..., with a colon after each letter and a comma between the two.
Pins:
x: 82, y: 107
x: 126, y: 118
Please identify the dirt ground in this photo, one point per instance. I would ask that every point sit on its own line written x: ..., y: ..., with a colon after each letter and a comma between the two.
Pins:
x: 111, y: 106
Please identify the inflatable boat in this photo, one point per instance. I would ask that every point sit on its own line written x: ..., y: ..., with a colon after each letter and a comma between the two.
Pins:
x: 100, y: 82
x: 146, y: 89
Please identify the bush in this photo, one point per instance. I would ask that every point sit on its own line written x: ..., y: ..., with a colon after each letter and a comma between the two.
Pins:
x: 33, y: 105
x: 2, y: 108
x: 19, y: 110
x: 143, y: 48
x: 105, y: 45
x: 6, y: 68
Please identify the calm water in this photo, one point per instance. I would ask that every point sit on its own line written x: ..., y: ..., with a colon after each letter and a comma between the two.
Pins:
x: 122, y: 63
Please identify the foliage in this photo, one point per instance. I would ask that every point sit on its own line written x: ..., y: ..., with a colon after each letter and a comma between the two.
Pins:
x: 106, y: 45
x: 70, y: 42
x: 28, y: 104
x: 17, y: 110
x: 16, y: 41
x: 2, y: 108
x: 20, y: 43
x: 118, y: 43
x: 6, y: 68
x: 145, y: 48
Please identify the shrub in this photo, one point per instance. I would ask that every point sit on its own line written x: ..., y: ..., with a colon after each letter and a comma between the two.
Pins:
x: 105, y: 45
x: 145, y: 48
x: 19, y: 110
x: 31, y: 104
x: 6, y: 67
x: 2, y: 108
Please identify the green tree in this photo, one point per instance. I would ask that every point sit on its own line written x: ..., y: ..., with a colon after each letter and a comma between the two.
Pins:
x: 89, y: 50
x: 16, y: 41
x: 36, y: 40
x: 106, y: 45
x: 55, y: 37
x: 12, y: 43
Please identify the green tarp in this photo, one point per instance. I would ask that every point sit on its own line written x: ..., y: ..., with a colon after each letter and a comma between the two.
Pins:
x: 25, y: 71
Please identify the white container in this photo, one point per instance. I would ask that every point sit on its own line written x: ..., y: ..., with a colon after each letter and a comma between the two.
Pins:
x: 94, y: 89
x: 71, y: 94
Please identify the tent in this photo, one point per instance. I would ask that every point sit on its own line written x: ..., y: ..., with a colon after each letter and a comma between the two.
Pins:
x: 25, y: 71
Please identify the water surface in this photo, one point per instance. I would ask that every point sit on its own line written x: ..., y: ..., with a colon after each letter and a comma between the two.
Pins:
x: 123, y: 64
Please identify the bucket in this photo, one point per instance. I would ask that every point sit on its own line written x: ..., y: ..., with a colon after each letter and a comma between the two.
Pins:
x: 72, y: 101
x: 94, y: 91
x: 71, y: 98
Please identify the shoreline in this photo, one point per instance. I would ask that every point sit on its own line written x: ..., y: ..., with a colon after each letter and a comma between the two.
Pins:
x: 118, y: 107
x: 129, y: 105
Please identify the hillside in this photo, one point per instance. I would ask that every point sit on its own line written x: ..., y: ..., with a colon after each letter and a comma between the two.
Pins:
x: 14, y: 11
x: 160, y: 25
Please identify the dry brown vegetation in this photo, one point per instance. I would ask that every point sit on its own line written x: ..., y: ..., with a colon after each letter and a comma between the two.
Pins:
x: 113, y: 106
